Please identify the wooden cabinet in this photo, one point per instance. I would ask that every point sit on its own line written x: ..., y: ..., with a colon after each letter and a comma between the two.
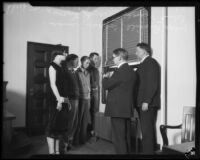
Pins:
x: 7, y: 127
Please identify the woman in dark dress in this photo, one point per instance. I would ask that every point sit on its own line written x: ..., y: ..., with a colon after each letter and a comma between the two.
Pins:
x: 59, y: 104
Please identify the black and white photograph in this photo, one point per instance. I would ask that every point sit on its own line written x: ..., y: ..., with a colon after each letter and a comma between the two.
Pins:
x: 94, y: 80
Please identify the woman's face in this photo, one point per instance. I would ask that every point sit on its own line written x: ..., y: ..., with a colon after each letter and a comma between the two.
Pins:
x: 62, y: 57
x: 86, y: 63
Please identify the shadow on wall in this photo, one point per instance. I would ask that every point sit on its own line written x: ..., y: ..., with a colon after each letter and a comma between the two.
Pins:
x: 16, y: 104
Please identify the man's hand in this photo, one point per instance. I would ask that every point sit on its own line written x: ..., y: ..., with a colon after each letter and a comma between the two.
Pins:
x: 59, y: 106
x: 145, y: 106
x: 107, y: 75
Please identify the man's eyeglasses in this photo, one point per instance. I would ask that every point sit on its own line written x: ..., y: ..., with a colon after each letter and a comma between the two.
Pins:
x: 113, y: 58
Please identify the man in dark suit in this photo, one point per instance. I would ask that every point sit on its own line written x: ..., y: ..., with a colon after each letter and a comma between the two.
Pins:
x: 148, y: 98
x: 119, y: 105
x: 95, y: 88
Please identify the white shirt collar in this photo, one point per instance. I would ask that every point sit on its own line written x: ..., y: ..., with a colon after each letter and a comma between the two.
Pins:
x: 144, y: 58
x: 120, y: 64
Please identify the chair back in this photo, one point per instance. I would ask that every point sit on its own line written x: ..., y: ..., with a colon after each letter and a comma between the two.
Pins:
x: 188, y: 125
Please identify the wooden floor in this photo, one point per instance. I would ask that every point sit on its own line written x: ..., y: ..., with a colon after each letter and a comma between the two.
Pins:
x: 39, y: 147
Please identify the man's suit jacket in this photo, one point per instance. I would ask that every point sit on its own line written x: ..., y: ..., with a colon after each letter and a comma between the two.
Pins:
x: 149, y: 83
x: 120, y: 92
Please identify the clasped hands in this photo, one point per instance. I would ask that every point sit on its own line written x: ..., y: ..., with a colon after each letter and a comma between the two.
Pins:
x: 62, y: 100
x: 145, y: 106
x: 107, y: 75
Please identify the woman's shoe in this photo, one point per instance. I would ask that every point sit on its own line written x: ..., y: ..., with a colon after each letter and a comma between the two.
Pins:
x: 69, y: 147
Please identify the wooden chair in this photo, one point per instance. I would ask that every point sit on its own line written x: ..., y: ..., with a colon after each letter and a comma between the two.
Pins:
x: 187, y: 127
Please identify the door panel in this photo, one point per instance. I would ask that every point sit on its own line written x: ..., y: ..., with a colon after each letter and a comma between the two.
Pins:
x: 38, y: 88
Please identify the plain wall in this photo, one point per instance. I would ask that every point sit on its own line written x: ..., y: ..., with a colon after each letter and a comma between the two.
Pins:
x: 178, y: 46
x: 181, y: 78
x: 158, y: 47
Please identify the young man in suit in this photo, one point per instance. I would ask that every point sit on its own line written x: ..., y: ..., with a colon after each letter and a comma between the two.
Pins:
x: 119, y: 105
x: 148, y: 98
x: 72, y: 91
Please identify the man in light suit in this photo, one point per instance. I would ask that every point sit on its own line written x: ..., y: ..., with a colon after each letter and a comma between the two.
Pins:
x: 148, y: 97
x: 119, y: 105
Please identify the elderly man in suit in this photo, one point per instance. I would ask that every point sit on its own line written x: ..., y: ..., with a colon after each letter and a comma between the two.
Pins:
x: 148, y: 98
x: 119, y: 105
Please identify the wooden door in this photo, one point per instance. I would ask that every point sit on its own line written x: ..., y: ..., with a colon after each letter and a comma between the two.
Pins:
x: 38, y: 87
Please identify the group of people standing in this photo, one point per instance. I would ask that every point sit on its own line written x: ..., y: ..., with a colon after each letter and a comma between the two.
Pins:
x: 74, y: 100
x: 128, y: 89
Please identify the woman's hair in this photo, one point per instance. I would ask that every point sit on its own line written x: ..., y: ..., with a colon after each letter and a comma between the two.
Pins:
x: 84, y: 58
x: 71, y: 57
x: 55, y: 53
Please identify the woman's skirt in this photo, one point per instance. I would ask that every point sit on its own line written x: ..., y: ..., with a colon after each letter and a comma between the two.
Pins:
x: 57, y: 126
